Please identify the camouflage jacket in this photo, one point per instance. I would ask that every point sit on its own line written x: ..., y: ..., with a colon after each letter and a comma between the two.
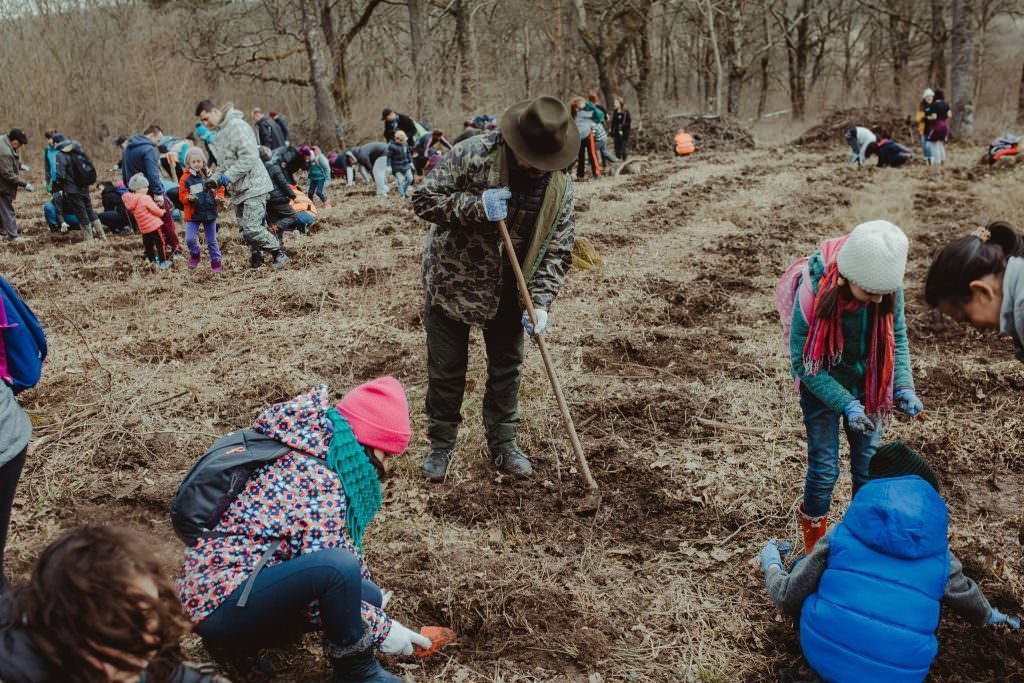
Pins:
x: 464, y: 260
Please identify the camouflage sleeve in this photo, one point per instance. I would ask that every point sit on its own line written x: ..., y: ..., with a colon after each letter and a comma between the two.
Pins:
x: 444, y: 198
x: 557, y: 261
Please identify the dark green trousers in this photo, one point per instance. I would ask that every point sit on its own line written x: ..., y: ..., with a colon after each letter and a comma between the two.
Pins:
x: 447, y: 357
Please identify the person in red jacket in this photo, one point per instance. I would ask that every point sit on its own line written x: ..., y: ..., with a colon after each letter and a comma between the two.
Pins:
x: 307, y: 511
x: 149, y: 218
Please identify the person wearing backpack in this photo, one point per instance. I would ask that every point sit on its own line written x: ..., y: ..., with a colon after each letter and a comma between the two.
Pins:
x: 75, y: 174
x: 868, y: 597
x: 274, y: 518
x: 200, y: 208
x: 22, y: 351
x: 98, y: 606
x: 849, y: 354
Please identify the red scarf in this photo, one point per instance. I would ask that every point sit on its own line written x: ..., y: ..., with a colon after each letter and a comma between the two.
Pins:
x: 824, y: 346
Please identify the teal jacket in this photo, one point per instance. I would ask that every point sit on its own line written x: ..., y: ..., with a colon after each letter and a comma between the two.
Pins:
x: 844, y: 382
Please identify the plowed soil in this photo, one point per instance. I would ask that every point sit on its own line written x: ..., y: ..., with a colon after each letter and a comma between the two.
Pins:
x: 669, y: 354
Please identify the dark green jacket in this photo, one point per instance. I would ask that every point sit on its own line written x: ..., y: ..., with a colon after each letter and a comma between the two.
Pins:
x: 844, y: 382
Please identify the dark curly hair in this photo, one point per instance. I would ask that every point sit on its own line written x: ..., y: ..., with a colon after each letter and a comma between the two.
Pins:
x: 83, y: 607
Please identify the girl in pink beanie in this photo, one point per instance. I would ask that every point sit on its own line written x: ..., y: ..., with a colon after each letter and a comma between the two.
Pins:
x: 306, y: 511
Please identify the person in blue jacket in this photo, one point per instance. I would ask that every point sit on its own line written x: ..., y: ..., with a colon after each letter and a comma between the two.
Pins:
x: 868, y: 596
x: 53, y: 138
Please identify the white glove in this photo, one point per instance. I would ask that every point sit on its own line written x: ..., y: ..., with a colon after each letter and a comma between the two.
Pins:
x: 542, y: 322
x: 385, y: 598
x: 24, y: 168
x: 159, y: 199
x: 400, y: 640
x: 29, y: 187
x: 64, y: 226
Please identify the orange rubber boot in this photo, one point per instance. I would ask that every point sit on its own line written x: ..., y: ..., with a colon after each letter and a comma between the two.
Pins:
x: 814, y: 528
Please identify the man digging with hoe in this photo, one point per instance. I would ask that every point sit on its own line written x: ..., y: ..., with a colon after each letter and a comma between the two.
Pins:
x: 512, y: 174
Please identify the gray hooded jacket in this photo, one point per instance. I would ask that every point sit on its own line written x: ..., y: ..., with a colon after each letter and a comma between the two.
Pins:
x: 1011, y: 316
x: 238, y: 155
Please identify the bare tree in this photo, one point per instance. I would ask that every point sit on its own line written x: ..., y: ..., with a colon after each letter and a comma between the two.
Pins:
x: 962, y: 70
x: 422, y: 48
x: 939, y: 37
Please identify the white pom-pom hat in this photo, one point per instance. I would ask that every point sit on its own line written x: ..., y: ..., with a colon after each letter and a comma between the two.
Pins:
x: 874, y: 257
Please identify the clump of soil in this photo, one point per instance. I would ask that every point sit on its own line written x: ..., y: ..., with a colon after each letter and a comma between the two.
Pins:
x: 832, y: 129
x: 718, y: 134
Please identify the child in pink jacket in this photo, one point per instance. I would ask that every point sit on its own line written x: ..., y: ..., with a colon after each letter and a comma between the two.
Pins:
x: 149, y: 217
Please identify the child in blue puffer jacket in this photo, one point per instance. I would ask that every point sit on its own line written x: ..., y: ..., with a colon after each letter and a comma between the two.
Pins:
x: 868, y: 596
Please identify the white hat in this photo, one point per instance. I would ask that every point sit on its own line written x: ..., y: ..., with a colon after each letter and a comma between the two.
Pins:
x: 928, y: 92
x: 138, y: 182
x: 874, y: 257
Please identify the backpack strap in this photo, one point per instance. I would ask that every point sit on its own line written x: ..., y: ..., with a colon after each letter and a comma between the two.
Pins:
x: 243, y: 599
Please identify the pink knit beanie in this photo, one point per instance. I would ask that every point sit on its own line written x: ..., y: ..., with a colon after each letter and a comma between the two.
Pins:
x: 378, y: 414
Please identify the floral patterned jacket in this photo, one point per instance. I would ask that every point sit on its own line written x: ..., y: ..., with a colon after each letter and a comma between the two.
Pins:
x: 296, y: 499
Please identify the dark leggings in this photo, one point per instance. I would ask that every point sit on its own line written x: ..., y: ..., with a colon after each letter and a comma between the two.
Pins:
x: 282, y: 593
x: 587, y: 152
x: 9, y: 476
x: 156, y: 249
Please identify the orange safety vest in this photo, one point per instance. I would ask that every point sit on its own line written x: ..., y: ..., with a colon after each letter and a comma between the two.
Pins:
x: 684, y: 143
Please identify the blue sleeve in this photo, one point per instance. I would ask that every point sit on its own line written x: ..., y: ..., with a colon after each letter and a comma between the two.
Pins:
x: 152, y: 166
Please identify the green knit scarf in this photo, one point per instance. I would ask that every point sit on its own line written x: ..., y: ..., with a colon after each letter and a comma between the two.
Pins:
x: 347, y: 458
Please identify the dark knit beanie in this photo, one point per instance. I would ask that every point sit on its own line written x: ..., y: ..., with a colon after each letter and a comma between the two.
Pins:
x: 896, y: 459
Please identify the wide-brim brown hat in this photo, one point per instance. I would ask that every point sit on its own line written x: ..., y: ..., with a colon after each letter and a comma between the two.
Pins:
x: 542, y: 133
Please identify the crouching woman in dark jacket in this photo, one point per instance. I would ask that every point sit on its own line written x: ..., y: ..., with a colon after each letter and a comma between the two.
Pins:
x: 868, y: 597
x: 97, y: 609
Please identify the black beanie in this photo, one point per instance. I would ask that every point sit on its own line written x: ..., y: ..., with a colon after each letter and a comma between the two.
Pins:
x: 896, y: 459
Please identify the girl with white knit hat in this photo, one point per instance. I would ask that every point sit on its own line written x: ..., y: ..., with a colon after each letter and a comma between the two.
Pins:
x: 849, y: 355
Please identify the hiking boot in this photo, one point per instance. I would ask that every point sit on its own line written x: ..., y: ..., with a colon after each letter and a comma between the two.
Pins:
x: 193, y: 261
x: 256, y: 259
x: 813, y: 528
x: 97, y: 228
x: 215, y: 266
x: 361, y: 667
x: 435, y: 467
x: 511, y: 460
x: 280, y: 260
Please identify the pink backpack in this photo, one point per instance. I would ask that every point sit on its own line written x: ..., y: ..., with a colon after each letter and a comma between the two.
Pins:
x: 796, y: 284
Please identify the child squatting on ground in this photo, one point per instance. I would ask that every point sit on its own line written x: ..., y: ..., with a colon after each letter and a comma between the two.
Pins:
x: 867, y: 599
x: 849, y: 353
x: 199, y: 205
x: 149, y: 218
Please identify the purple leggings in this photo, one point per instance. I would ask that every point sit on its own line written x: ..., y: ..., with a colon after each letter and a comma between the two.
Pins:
x: 192, y: 238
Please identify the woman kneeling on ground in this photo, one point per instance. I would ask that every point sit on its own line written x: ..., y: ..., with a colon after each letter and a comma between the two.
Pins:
x: 307, y: 510
x: 868, y: 597
x: 97, y: 609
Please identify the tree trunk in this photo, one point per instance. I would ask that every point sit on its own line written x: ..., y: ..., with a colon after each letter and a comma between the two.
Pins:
x: 320, y: 74
x: 644, y: 61
x: 1020, y: 99
x: 962, y: 71
x: 899, y: 42
x: 939, y: 37
x: 762, y: 97
x: 463, y: 44
x: 797, y: 52
x: 422, y: 54
x: 734, y: 48
x: 709, y: 11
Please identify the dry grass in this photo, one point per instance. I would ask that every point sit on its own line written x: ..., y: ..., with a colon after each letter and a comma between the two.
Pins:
x: 669, y: 356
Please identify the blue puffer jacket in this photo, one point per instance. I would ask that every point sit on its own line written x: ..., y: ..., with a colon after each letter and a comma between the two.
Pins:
x: 877, y: 607
x: 141, y: 156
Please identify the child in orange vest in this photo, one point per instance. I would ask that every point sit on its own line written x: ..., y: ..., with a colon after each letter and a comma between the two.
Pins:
x: 149, y: 217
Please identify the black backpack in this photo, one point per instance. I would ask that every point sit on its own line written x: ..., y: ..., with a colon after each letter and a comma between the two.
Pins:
x: 83, y: 172
x: 216, y: 478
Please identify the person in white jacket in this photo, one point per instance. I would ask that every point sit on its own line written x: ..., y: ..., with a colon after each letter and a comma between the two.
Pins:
x: 859, y: 138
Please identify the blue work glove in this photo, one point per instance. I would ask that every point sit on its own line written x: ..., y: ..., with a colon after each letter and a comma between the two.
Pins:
x: 907, y: 402
x: 496, y: 203
x: 997, y: 617
x: 223, y: 180
x: 770, y: 555
x: 542, y: 322
x: 857, y: 419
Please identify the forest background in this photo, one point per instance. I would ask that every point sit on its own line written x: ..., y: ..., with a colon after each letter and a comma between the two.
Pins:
x: 100, y: 68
